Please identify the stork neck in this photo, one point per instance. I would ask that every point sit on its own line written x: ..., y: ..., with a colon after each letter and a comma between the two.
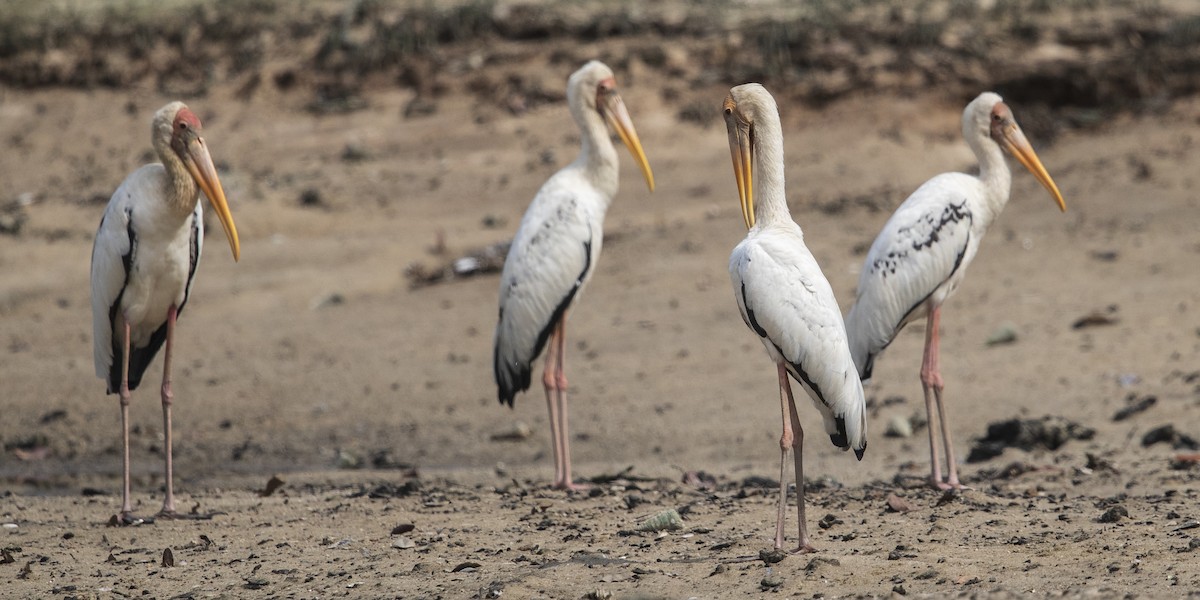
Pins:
x: 770, y: 203
x: 181, y: 191
x: 994, y: 174
x: 597, y: 155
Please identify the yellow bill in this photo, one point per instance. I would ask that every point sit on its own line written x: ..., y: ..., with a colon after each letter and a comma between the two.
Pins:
x: 741, y: 152
x: 618, y: 117
x: 1012, y: 139
x: 200, y: 165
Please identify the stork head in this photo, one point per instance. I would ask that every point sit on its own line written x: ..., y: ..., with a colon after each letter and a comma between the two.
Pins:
x: 745, y: 108
x: 594, y: 88
x: 987, y: 116
x: 180, y: 127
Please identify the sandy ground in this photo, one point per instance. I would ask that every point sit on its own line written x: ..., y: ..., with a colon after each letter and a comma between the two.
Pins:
x: 316, y: 359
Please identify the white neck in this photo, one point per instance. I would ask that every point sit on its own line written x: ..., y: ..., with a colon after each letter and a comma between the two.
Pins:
x: 770, y: 202
x: 993, y: 173
x: 597, y: 156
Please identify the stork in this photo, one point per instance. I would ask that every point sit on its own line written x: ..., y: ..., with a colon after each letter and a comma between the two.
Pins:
x: 785, y: 299
x: 143, y: 265
x: 554, y: 252
x: 923, y: 252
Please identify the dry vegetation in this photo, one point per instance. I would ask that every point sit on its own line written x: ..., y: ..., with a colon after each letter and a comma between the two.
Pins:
x: 406, y: 133
x: 1075, y: 55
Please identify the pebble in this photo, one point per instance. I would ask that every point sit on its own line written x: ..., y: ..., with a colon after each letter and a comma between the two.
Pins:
x: 899, y: 427
x: 1114, y: 514
x: 771, y: 581
x: 1005, y: 334
x: 667, y: 520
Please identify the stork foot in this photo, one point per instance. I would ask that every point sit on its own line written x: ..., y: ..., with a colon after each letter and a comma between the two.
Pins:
x: 571, y: 487
x: 947, y: 486
x: 804, y: 548
x: 128, y: 519
x: 171, y: 515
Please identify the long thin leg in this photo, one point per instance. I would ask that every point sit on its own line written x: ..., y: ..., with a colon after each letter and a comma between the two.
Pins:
x: 550, y: 382
x: 564, y: 432
x: 931, y: 382
x: 785, y: 445
x: 935, y: 318
x: 798, y: 455
x: 126, y: 515
x: 168, y: 507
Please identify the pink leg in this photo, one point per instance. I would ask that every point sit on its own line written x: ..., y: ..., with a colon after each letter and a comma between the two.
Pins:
x: 792, y: 440
x: 126, y: 515
x: 555, y: 382
x: 564, y: 432
x: 550, y: 383
x: 931, y: 381
x: 168, y: 508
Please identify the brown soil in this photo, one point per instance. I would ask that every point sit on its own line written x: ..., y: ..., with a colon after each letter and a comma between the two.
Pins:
x: 317, y: 358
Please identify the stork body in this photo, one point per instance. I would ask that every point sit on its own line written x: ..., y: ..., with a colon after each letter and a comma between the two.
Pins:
x: 785, y: 299
x: 554, y: 252
x: 922, y: 254
x: 144, y: 262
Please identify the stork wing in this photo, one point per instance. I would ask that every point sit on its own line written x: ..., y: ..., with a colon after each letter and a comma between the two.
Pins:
x: 913, y: 259
x: 112, y: 255
x: 549, y: 261
x: 784, y: 298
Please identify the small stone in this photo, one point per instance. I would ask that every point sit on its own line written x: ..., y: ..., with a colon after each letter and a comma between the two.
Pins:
x: 1114, y: 514
x: 1005, y: 334
x: 517, y: 433
x: 899, y: 427
x: 667, y: 520
x: 254, y: 583
x: 898, y: 504
x: 311, y: 197
x: 403, y: 543
x: 771, y: 581
x: 771, y: 556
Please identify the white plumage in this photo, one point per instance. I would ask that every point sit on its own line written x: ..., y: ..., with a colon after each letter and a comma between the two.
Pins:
x: 784, y: 297
x: 163, y: 266
x: 144, y: 262
x: 554, y: 252
x: 921, y: 255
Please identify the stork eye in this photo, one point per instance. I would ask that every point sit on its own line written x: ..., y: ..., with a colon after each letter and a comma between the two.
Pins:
x: 728, y: 111
x: 996, y: 117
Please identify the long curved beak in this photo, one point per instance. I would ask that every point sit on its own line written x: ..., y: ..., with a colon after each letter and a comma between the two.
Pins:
x: 743, y: 163
x: 618, y: 117
x: 200, y: 165
x: 1013, y: 141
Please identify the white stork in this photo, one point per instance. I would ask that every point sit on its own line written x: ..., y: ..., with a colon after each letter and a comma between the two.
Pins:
x: 143, y: 264
x: 784, y: 297
x: 922, y: 254
x: 554, y: 252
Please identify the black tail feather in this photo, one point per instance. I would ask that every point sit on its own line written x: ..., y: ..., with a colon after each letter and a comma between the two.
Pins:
x: 139, y: 359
